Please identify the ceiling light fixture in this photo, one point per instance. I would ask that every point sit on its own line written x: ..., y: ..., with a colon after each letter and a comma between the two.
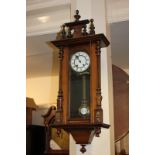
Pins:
x: 43, y: 19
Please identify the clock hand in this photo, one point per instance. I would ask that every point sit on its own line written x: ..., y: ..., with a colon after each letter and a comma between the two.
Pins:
x: 77, y: 57
x: 82, y: 60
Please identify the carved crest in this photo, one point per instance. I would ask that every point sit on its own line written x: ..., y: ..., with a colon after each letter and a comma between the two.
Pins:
x: 77, y: 28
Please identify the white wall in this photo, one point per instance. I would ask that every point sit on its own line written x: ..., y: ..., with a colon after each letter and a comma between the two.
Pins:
x: 43, y: 90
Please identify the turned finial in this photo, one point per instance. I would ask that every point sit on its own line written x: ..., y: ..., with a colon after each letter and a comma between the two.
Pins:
x: 77, y: 16
x: 63, y: 32
x: 83, y: 149
x: 92, y: 27
x: 84, y: 30
x: 69, y: 33
x: 97, y: 132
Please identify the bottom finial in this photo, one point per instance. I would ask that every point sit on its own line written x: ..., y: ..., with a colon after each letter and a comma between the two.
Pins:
x: 83, y: 149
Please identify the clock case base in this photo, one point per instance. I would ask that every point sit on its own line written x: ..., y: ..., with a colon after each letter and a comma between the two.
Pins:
x: 83, y: 133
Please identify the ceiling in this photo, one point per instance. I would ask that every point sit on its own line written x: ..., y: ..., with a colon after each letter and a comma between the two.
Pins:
x: 42, y: 60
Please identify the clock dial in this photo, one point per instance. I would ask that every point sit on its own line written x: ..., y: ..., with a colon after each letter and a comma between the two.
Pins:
x: 80, y: 61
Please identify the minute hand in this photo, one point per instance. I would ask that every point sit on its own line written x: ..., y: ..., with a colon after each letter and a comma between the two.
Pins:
x: 82, y: 60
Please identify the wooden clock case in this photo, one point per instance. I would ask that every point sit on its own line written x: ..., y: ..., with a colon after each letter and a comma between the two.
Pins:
x: 74, y: 37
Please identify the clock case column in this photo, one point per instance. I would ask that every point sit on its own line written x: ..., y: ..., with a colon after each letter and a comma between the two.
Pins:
x: 74, y: 36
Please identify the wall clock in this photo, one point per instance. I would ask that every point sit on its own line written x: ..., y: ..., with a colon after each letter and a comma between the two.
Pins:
x: 79, y: 110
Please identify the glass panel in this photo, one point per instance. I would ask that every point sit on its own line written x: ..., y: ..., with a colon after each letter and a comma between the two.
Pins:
x: 79, y: 91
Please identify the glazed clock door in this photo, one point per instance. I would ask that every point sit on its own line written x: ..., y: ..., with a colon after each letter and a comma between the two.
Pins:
x: 79, y: 85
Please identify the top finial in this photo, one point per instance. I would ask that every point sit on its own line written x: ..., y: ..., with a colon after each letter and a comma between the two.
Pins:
x: 92, y: 27
x: 77, y: 16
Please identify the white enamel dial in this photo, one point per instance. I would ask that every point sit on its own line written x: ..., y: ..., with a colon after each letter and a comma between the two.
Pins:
x: 80, y: 61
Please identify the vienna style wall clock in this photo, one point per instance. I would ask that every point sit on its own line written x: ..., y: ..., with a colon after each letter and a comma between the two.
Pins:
x: 79, y: 110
